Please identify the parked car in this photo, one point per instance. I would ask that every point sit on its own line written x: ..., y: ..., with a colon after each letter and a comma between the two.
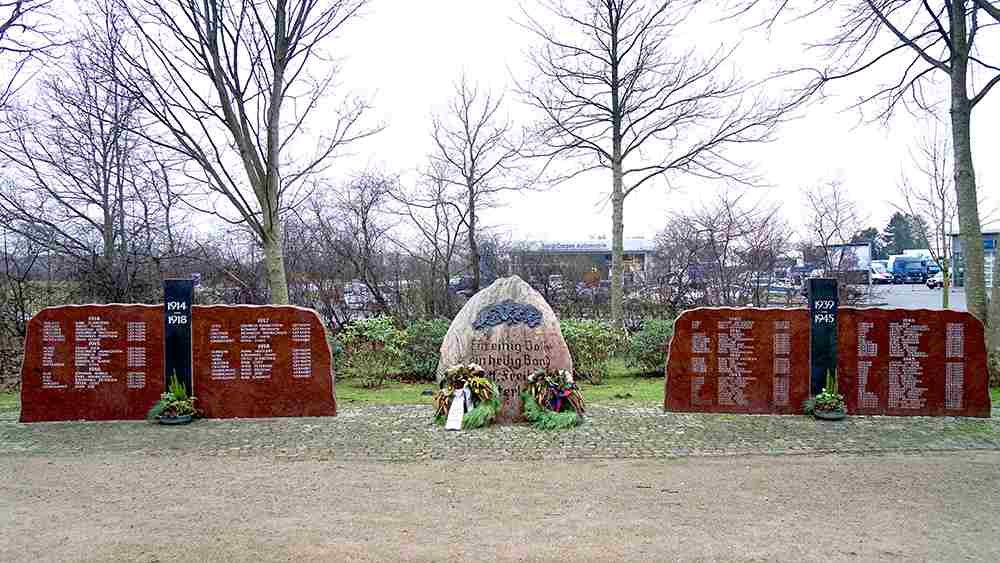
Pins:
x: 906, y: 269
x: 936, y: 281
x: 880, y: 275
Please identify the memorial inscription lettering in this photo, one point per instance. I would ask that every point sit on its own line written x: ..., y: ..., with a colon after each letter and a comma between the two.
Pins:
x: 106, y: 362
x: 891, y: 362
x: 913, y: 362
x: 510, y: 331
x: 92, y: 362
x: 737, y: 360
x: 261, y: 361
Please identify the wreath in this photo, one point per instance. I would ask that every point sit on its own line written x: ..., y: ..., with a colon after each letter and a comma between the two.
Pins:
x: 484, y: 393
x: 552, y: 400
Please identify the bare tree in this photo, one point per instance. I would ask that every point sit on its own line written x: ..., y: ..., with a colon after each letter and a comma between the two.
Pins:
x: 614, y: 95
x: 80, y: 187
x: 440, y: 223
x: 231, y: 83
x: 926, y: 39
x: 356, y: 226
x: 932, y: 199
x: 477, y: 152
x: 24, y: 37
x: 834, y: 219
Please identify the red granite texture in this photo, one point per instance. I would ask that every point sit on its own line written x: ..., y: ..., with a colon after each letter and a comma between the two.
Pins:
x: 694, y: 383
x: 918, y: 369
x: 272, y: 384
x: 87, y: 351
x: 919, y: 375
x: 245, y: 367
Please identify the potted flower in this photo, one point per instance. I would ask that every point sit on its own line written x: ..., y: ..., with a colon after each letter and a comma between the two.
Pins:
x: 174, y: 406
x: 828, y: 404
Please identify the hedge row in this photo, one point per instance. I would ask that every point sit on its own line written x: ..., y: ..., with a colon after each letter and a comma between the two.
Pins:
x: 373, y: 350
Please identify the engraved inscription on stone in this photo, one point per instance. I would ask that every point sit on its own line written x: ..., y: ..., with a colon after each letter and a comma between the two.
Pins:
x: 510, y: 362
x: 301, y: 332
x: 905, y: 368
x: 301, y: 363
x: 221, y: 368
x: 735, y: 354
x: 954, y: 375
x: 90, y: 358
x: 136, y: 380
x: 217, y: 335
x: 955, y: 340
x: 954, y: 385
x: 52, y: 332
x: 258, y: 363
x: 699, y: 365
x: 866, y: 349
x: 700, y: 343
x: 782, y: 363
x: 136, y: 331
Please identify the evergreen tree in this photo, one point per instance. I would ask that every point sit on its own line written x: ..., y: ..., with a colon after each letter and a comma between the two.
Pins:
x: 903, y: 233
x: 871, y: 235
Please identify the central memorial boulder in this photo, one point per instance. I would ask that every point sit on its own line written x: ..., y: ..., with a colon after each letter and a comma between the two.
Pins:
x: 510, y: 331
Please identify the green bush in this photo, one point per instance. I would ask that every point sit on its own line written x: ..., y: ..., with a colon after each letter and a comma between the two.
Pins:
x: 993, y: 365
x: 592, y: 343
x: 423, y: 348
x: 373, y: 350
x: 648, y: 347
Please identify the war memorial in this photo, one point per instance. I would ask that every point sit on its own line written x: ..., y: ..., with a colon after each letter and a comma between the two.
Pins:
x: 112, y: 362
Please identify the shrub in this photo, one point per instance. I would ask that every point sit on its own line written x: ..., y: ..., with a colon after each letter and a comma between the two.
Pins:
x: 592, y: 343
x: 423, y: 348
x: 993, y: 364
x: 648, y: 347
x: 373, y: 350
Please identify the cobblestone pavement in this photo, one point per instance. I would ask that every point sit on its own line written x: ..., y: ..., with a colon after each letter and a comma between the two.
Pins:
x: 405, y: 433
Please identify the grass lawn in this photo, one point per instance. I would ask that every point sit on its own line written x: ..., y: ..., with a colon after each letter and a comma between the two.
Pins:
x: 393, y: 393
x: 617, y: 389
x: 10, y: 401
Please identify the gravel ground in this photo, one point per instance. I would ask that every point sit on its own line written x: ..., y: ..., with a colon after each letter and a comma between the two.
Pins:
x: 120, y: 507
x: 384, y: 483
x: 406, y: 433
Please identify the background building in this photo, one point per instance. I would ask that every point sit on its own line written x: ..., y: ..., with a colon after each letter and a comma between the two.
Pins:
x: 990, y: 238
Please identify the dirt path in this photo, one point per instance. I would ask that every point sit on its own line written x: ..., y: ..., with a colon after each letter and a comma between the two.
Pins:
x: 792, y: 508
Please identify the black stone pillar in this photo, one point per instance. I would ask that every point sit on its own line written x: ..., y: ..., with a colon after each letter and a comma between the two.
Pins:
x: 823, y: 303
x: 178, y: 296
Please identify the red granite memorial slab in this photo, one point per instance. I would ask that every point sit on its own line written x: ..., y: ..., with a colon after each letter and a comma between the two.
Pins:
x: 92, y: 362
x: 913, y: 362
x: 105, y: 362
x: 738, y: 361
x: 890, y: 362
x: 261, y: 361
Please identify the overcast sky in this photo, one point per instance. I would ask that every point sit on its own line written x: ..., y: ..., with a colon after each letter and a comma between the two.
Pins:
x: 405, y: 56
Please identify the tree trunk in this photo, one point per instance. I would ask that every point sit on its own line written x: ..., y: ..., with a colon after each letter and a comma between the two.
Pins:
x: 945, y: 255
x: 965, y: 175
x: 617, y: 244
x: 995, y: 306
x: 617, y: 183
x: 473, y: 245
x: 274, y: 265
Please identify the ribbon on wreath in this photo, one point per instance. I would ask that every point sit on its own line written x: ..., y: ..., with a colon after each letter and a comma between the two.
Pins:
x: 557, y: 397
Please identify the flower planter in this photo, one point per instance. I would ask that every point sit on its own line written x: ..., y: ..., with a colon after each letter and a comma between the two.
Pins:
x: 830, y: 415
x: 174, y: 420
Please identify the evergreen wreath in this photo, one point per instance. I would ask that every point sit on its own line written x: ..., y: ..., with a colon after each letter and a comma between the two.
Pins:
x: 485, y: 395
x: 552, y: 400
